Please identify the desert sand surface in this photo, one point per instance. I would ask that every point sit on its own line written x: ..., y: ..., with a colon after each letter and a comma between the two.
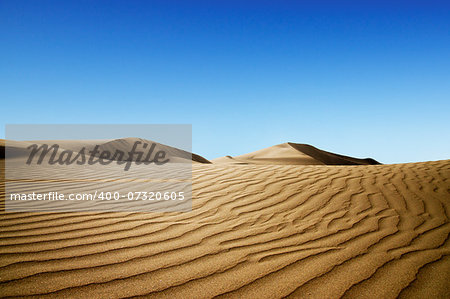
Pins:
x: 280, y: 222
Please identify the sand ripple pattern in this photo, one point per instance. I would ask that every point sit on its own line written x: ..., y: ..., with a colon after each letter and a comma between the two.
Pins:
x: 255, y: 231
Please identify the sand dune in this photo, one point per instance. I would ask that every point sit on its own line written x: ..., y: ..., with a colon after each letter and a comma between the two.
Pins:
x: 255, y: 231
x: 294, y: 154
x: 19, y: 148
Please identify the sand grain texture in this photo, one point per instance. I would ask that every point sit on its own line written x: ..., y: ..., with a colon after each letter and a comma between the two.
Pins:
x: 255, y: 231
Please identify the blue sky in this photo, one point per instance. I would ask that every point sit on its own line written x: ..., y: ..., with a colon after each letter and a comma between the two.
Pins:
x: 362, y: 78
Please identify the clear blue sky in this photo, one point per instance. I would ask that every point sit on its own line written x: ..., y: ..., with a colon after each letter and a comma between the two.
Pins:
x: 362, y: 78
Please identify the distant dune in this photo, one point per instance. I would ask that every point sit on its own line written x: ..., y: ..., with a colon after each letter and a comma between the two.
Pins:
x: 287, y: 222
x: 294, y: 154
x: 18, y: 148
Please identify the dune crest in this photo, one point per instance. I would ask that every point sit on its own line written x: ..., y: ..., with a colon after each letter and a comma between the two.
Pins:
x: 19, y: 148
x: 294, y: 154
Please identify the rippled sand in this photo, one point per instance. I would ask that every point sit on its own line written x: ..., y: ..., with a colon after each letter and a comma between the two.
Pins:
x: 255, y: 231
